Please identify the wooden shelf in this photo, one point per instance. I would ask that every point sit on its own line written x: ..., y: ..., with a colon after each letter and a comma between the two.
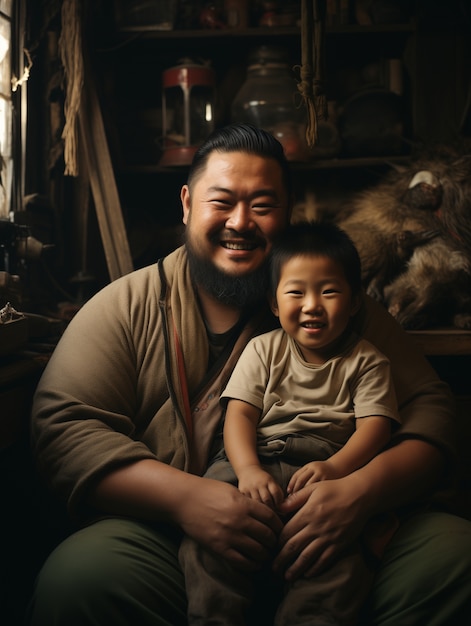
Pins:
x: 150, y: 30
x: 443, y: 342
x: 313, y: 164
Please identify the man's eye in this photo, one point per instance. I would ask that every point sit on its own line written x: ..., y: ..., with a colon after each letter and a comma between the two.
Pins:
x: 262, y: 208
x: 221, y: 202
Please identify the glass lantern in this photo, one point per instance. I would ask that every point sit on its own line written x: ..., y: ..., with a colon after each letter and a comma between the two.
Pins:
x: 269, y: 99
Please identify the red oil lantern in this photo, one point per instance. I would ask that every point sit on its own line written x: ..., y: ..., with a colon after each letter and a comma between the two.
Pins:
x: 187, y: 110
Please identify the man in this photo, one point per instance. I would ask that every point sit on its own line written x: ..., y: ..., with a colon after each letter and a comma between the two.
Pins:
x: 125, y: 418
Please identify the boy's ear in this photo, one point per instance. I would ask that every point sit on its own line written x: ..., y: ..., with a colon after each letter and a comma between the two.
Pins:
x: 274, y: 306
x: 356, y: 303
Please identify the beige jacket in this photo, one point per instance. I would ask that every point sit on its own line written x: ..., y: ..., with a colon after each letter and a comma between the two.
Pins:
x: 104, y: 400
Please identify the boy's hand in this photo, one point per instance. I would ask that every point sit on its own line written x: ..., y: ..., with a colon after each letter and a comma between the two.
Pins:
x: 257, y: 484
x: 312, y: 473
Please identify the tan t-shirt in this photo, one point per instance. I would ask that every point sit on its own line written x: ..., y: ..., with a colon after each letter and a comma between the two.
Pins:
x: 313, y: 401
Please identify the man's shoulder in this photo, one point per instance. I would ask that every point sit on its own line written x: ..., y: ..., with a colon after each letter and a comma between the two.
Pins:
x: 150, y: 274
x: 136, y: 280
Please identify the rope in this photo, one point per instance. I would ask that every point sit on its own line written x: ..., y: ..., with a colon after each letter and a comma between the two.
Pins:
x: 17, y: 82
x: 312, y: 65
x: 70, y: 48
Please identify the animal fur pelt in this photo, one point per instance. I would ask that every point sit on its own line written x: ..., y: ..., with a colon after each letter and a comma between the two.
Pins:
x: 413, y: 234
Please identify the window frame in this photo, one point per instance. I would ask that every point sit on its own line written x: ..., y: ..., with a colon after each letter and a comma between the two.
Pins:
x: 13, y: 108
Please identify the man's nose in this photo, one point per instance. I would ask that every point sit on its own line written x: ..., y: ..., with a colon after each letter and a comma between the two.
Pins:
x: 240, y: 218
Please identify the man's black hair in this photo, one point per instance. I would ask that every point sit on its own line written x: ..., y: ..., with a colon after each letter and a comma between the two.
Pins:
x: 241, y: 138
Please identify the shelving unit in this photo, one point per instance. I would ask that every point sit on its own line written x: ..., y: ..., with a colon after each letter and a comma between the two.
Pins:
x: 139, y: 47
x: 443, y: 341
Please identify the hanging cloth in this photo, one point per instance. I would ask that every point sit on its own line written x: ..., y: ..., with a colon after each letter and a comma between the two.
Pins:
x: 311, y: 84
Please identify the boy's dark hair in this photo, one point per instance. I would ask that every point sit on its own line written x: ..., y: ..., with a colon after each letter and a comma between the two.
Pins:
x: 319, y: 238
x: 241, y: 138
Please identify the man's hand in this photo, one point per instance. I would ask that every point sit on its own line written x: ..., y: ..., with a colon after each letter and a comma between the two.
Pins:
x: 212, y: 512
x: 326, y: 517
x: 241, y: 530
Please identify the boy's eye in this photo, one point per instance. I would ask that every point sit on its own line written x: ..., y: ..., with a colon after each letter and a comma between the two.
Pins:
x: 330, y: 291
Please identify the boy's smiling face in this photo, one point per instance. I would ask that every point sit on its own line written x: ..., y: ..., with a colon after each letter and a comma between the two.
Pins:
x: 314, y: 303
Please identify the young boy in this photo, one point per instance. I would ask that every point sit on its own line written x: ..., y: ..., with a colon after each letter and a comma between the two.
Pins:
x: 310, y: 401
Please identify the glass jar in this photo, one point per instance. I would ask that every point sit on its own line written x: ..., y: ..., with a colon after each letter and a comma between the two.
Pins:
x: 269, y: 99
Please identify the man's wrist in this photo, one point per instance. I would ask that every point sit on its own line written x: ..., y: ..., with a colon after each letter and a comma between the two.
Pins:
x: 363, y: 489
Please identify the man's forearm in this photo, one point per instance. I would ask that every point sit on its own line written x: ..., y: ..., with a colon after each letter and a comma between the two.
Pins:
x: 400, y: 475
x: 146, y: 489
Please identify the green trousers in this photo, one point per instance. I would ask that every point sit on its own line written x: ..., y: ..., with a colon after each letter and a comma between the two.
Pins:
x: 123, y: 573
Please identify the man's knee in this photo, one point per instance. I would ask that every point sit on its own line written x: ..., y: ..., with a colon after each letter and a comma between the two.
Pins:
x: 425, y: 576
x: 113, y: 572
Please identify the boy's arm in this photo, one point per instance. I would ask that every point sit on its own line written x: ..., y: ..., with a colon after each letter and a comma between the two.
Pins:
x: 370, y: 437
x: 240, y: 442
x: 240, y: 434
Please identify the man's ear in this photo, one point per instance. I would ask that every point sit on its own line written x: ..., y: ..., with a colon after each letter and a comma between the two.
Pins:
x: 186, y: 204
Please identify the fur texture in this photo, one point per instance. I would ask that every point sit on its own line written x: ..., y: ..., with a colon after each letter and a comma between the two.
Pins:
x: 413, y: 234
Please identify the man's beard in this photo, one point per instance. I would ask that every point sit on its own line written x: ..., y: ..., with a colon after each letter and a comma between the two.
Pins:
x: 240, y: 291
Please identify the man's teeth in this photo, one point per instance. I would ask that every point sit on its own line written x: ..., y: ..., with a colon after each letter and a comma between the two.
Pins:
x: 238, y: 246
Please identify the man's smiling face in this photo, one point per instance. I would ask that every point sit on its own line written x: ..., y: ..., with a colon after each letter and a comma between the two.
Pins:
x: 236, y: 207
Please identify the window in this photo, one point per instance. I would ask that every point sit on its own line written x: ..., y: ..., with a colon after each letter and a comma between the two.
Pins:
x: 6, y: 163
x: 14, y: 70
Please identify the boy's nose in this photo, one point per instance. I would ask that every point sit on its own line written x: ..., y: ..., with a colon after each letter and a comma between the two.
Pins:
x: 312, y: 305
